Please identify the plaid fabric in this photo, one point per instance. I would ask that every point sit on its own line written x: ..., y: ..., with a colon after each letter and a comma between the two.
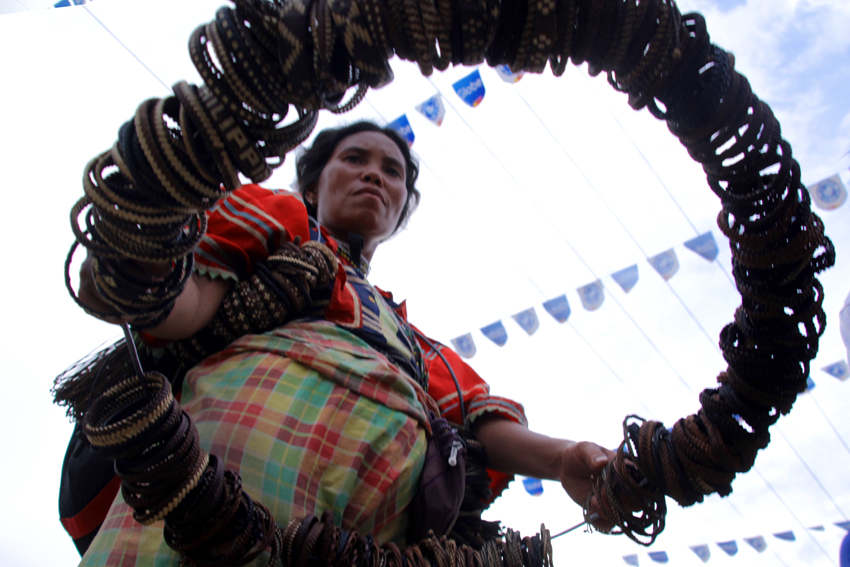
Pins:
x: 313, y: 419
x: 243, y: 229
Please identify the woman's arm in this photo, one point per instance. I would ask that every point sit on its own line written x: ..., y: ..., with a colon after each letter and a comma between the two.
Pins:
x: 193, y: 309
x: 514, y: 449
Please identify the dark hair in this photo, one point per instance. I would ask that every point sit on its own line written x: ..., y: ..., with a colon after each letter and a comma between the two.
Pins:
x: 309, y: 165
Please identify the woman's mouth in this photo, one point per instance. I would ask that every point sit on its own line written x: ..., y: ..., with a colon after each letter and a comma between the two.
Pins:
x: 372, y: 192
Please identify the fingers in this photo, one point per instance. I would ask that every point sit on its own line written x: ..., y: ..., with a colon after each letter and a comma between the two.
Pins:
x: 593, y: 456
x: 90, y: 297
x: 597, y: 518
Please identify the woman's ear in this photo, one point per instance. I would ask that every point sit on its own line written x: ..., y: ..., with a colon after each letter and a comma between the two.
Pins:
x: 309, y: 194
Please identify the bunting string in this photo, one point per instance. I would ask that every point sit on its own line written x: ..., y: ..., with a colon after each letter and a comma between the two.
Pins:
x: 731, y: 548
x: 145, y: 201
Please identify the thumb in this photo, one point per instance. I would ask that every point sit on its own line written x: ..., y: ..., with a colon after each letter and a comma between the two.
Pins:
x: 593, y: 456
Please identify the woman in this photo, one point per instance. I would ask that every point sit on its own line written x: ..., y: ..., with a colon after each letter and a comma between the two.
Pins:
x: 329, y: 412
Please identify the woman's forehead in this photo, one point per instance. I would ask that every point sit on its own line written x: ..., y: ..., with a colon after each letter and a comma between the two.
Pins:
x: 374, y: 142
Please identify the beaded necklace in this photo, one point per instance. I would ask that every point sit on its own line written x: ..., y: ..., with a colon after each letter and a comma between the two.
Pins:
x: 344, y: 252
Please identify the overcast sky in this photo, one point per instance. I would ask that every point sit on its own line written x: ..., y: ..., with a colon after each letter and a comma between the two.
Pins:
x: 546, y: 186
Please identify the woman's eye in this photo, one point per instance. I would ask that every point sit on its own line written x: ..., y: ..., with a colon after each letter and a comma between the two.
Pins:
x: 352, y: 159
x: 394, y: 172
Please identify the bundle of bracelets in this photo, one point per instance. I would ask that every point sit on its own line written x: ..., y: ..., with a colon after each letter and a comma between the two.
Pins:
x: 146, y: 197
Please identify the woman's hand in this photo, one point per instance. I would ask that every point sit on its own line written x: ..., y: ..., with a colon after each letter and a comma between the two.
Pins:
x: 88, y: 294
x: 193, y: 309
x: 580, y: 463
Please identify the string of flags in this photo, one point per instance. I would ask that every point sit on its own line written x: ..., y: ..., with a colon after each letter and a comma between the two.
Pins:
x: 592, y: 295
x: 534, y: 487
x: 469, y: 89
x: 730, y: 548
x: 828, y: 194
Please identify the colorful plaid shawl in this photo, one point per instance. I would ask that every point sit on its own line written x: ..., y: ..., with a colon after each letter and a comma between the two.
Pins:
x: 313, y: 419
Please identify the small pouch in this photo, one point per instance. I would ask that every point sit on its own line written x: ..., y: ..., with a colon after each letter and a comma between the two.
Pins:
x: 436, y: 504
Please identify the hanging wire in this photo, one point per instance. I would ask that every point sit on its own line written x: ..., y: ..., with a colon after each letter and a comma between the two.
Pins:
x: 658, y: 177
x: 678, y: 205
x: 130, y: 51
x: 696, y: 320
x: 531, y: 281
x: 832, y: 425
x: 637, y: 326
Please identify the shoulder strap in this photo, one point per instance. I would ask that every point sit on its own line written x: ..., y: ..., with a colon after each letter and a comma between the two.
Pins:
x: 433, y: 347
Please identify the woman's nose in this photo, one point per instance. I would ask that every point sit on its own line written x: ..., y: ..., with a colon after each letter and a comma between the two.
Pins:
x: 370, y: 175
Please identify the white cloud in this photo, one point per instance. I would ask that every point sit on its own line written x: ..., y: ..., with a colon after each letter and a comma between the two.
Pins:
x: 795, y: 53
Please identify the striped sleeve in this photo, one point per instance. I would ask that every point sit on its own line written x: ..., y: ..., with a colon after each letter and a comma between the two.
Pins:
x: 246, y: 227
x: 476, y: 392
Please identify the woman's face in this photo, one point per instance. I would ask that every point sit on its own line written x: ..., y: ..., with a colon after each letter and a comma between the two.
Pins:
x: 361, y: 189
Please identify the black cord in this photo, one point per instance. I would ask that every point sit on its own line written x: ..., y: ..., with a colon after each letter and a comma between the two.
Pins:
x: 452, y: 372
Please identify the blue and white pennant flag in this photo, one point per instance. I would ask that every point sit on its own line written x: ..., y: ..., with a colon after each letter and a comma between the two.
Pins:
x: 433, y: 109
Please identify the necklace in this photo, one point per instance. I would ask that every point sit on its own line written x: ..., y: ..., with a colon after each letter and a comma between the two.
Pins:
x: 344, y: 252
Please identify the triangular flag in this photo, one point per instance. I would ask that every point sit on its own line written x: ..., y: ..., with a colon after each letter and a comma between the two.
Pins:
x: 464, y: 345
x: 757, y: 543
x: 470, y: 89
x: 666, y: 264
x: 631, y: 560
x: 659, y: 556
x: 496, y: 332
x: 838, y: 370
x: 810, y: 385
x: 533, y: 486
x: 527, y: 320
x: 730, y: 547
x: 626, y: 278
x: 702, y: 552
x: 559, y: 308
x: 433, y: 109
x: 787, y: 536
x: 403, y: 127
x: 843, y: 525
x: 592, y: 295
x: 829, y: 194
x: 504, y: 71
x: 704, y: 245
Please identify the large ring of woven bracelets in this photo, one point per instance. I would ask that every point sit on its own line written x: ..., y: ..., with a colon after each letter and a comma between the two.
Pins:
x: 778, y: 246
x: 309, y: 54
